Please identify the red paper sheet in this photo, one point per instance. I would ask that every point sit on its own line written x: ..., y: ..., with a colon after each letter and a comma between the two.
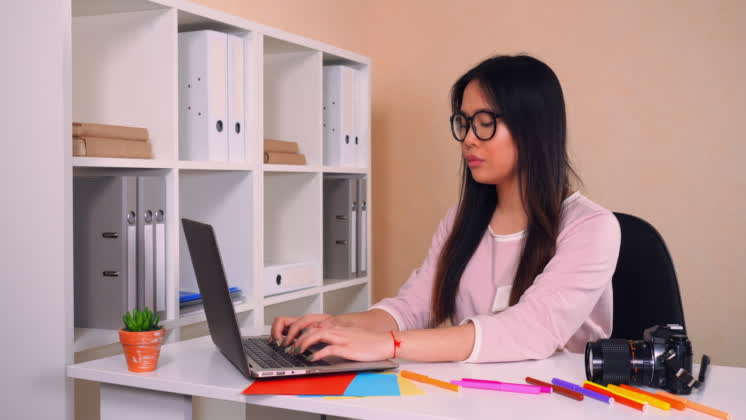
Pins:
x: 334, y: 384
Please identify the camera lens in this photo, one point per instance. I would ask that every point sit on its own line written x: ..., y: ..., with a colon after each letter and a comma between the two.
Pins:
x: 618, y: 361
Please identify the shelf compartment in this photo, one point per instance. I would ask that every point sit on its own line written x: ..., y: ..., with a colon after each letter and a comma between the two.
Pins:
x: 293, y: 97
x: 355, y: 298
x: 124, y: 72
x: 160, y: 283
x: 223, y: 200
x: 292, y: 219
x: 303, y: 305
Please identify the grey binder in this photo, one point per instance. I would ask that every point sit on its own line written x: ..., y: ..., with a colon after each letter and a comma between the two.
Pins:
x: 340, y: 227
x: 105, y: 249
x: 151, y: 206
x: 362, y: 227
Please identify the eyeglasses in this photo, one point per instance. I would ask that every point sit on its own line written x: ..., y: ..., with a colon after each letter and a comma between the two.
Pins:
x: 483, y: 123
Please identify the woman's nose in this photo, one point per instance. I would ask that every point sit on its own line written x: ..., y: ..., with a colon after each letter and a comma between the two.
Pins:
x: 471, y: 139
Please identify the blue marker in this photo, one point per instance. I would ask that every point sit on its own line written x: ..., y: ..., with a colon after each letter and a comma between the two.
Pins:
x: 587, y: 392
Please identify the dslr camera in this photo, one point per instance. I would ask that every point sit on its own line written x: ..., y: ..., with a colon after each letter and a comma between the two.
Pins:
x: 662, y: 359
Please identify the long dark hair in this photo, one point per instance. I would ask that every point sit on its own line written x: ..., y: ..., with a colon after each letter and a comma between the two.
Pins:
x: 528, y: 95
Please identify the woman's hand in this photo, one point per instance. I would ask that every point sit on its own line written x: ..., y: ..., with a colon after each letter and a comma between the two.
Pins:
x: 348, y: 342
x: 286, y: 329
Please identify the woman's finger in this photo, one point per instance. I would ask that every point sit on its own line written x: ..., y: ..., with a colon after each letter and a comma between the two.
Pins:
x: 311, y: 336
x: 279, y: 325
x: 301, y: 324
x: 318, y: 335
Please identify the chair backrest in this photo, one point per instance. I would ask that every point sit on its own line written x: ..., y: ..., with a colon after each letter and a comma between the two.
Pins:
x: 646, y: 291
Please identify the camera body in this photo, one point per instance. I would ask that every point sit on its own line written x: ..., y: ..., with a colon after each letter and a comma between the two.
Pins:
x: 662, y: 359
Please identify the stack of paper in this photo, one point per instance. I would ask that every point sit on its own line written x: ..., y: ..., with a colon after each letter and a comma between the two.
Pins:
x: 283, y: 152
x: 101, y: 140
x: 345, y: 385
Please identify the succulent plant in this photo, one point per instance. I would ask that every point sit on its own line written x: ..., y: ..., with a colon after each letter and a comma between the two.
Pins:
x: 138, y: 320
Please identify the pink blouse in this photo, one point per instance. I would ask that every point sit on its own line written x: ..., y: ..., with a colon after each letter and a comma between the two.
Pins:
x: 569, y: 304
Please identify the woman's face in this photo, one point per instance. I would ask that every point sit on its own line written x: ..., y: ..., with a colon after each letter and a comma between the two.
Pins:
x: 493, y: 161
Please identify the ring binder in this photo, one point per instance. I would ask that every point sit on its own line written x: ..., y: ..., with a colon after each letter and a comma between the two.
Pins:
x: 151, y: 200
x: 345, y: 226
x: 105, y: 272
x: 120, y: 259
x: 211, y: 96
x: 203, y: 105
x: 341, y: 115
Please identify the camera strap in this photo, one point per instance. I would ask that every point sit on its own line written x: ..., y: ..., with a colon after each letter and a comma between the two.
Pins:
x: 683, y: 376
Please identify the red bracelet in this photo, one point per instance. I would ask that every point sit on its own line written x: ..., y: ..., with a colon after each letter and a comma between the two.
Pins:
x: 397, y: 343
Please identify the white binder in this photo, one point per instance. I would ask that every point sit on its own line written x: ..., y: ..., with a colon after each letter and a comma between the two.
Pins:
x: 340, y: 118
x: 203, y: 104
x: 236, y: 120
x: 361, y: 134
x: 151, y: 206
x: 362, y: 227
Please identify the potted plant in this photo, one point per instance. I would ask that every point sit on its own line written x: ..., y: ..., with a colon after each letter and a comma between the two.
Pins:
x: 141, y: 340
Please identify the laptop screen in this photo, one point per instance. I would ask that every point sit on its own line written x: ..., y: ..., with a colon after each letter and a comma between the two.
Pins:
x: 208, y: 268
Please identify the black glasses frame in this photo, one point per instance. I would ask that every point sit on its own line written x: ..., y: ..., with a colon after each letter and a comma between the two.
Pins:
x: 470, y: 121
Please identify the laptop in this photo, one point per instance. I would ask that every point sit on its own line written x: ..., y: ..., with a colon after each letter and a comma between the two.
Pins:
x: 254, y: 357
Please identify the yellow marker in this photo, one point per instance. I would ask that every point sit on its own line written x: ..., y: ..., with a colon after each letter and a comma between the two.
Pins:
x: 613, y: 391
x: 655, y: 402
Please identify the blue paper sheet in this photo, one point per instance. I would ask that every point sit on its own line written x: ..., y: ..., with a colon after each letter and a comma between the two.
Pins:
x: 369, y: 384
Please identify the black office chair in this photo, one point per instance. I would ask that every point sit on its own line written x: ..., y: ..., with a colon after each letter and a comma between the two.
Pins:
x: 646, y: 291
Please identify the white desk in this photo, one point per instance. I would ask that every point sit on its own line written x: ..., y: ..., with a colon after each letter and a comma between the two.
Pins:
x: 197, y: 368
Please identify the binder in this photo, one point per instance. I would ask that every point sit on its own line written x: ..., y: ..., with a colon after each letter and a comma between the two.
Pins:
x: 340, y: 226
x: 105, y: 251
x: 362, y: 226
x: 339, y: 116
x: 203, y: 103
x: 236, y: 126
x: 361, y: 134
x: 151, y: 230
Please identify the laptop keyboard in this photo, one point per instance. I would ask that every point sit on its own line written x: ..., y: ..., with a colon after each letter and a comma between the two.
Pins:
x: 272, y: 356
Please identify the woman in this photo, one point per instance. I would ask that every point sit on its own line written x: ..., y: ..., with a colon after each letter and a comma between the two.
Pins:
x: 520, y: 268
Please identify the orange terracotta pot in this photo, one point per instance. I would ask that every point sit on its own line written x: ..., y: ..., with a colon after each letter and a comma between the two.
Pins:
x: 141, y: 349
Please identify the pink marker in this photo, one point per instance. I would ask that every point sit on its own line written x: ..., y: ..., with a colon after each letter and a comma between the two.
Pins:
x: 519, y: 388
x: 544, y: 389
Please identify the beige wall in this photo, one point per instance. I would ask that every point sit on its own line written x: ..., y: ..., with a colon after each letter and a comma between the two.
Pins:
x: 655, y: 94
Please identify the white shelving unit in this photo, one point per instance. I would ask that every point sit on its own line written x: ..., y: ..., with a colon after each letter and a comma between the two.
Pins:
x: 125, y: 71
